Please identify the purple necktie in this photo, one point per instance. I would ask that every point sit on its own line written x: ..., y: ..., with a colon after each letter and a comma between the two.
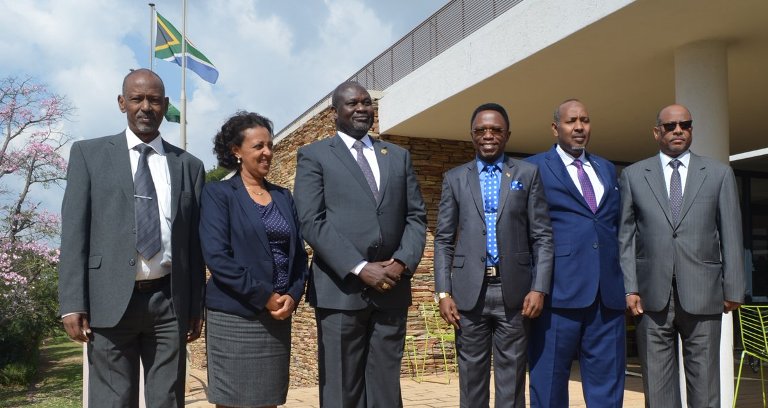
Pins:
x: 586, y: 186
x: 365, y: 167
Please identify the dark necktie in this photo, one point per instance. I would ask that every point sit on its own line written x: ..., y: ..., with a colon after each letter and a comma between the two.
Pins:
x: 146, y: 207
x: 491, y: 204
x: 675, y: 191
x: 586, y: 186
x: 366, y: 168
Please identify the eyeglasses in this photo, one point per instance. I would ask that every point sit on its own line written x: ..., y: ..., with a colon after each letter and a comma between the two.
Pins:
x: 480, y: 132
x: 670, y: 126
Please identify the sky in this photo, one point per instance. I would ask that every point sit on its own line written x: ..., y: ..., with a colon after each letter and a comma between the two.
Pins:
x: 274, y: 57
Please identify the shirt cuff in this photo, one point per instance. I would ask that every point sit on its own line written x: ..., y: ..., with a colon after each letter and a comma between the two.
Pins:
x: 73, y: 313
x: 359, y: 267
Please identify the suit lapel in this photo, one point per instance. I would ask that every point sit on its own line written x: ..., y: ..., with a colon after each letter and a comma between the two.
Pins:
x: 249, y: 208
x: 507, y: 169
x: 121, y: 162
x: 557, y: 167
x: 341, y: 151
x: 654, y: 176
x: 175, y: 169
x: 697, y: 172
x: 383, y: 160
x: 605, y: 179
x: 473, y: 182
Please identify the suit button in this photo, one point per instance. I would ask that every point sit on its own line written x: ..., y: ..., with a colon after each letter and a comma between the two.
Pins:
x: 483, y: 232
x: 674, y: 235
x: 132, y: 262
x: 482, y: 259
x: 378, y: 212
x: 594, y: 245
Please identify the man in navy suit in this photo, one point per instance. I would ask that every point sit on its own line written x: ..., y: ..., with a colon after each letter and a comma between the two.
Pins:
x: 584, y: 314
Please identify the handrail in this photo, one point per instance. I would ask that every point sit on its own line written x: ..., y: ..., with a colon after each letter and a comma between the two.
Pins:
x: 442, y: 30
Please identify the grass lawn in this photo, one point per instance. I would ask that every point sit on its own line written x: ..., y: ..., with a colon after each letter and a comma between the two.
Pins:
x: 59, y: 381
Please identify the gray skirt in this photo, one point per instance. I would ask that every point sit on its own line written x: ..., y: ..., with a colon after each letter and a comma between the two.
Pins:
x: 248, y: 359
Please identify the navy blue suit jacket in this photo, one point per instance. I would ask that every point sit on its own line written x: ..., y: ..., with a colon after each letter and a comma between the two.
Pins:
x: 236, y: 248
x: 586, y: 244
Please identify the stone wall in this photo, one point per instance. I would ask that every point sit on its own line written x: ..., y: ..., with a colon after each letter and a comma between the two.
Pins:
x: 431, y: 158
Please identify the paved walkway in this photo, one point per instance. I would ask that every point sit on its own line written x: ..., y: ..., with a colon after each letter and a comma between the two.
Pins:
x: 440, y: 391
x: 432, y: 392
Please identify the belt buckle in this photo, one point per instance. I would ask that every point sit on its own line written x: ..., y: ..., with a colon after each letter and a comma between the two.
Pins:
x: 490, y: 271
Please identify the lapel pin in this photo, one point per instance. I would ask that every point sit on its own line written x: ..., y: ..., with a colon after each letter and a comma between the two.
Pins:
x: 508, y: 175
x: 384, y: 150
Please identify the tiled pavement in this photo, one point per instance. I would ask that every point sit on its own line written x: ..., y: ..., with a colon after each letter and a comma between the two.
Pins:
x: 440, y: 391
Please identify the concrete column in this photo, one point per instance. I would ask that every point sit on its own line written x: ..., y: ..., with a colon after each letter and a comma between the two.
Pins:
x: 701, y: 84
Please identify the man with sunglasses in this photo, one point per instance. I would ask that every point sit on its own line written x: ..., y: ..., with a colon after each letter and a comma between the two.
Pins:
x: 493, y: 261
x: 681, y: 254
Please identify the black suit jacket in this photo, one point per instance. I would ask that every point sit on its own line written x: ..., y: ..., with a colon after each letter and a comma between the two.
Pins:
x: 97, y: 267
x: 344, y: 224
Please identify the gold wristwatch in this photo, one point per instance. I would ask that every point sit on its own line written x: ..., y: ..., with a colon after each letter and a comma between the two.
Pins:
x: 441, y: 295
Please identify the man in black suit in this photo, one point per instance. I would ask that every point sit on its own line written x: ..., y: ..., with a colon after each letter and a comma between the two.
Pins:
x: 493, y: 261
x: 362, y: 213
x: 131, y: 274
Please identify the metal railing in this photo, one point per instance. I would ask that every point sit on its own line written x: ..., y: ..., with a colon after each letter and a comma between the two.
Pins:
x: 446, y: 27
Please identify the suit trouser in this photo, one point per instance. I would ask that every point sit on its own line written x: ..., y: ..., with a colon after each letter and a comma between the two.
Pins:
x: 148, y: 331
x: 657, y: 345
x: 360, y: 352
x: 492, y: 326
x: 597, y: 335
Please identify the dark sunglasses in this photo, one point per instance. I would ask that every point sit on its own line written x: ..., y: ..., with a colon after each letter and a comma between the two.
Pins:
x: 684, y: 125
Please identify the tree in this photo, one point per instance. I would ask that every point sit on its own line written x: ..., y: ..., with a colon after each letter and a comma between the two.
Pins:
x: 31, y: 119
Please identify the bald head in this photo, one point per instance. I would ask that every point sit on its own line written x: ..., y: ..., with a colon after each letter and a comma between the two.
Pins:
x: 336, y: 97
x: 145, y: 73
x: 674, y: 107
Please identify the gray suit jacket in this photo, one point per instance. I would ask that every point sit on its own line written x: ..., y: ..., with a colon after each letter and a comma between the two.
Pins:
x: 704, y: 249
x: 344, y: 225
x: 524, y: 235
x: 97, y: 268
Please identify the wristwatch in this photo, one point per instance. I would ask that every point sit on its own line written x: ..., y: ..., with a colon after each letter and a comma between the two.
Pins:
x: 441, y: 295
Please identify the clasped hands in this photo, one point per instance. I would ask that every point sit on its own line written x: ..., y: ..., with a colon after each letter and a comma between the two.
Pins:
x: 382, y: 276
x: 280, y: 306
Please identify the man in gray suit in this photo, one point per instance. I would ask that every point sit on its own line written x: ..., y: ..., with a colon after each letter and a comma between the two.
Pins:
x: 681, y: 254
x: 131, y: 274
x: 362, y: 213
x: 493, y: 261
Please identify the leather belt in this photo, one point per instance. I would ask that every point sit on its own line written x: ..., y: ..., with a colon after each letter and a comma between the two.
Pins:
x: 151, y: 285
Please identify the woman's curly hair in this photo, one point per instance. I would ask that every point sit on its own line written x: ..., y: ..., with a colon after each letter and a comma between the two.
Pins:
x: 231, y: 134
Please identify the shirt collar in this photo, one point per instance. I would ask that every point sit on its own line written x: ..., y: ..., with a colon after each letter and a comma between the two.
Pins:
x: 684, y: 158
x: 482, y: 163
x: 568, y: 159
x: 156, y: 144
x: 349, y: 140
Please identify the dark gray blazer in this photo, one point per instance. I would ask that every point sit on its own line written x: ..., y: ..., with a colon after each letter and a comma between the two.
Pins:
x: 704, y: 249
x: 343, y: 223
x: 97, y: 268
x: 524, y: 235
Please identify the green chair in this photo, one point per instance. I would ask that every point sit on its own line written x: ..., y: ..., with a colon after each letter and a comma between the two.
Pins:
x: 752, y: 322
x: 440, y: 334
x: 412, y: 358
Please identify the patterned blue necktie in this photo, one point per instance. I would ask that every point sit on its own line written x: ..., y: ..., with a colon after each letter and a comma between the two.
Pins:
x: 491, y: 206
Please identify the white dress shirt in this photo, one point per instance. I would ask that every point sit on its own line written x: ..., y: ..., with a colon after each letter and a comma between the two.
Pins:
x: 567, y: 159
x: 160, y: 264
x: 685, y: 159
x: 370, y: 155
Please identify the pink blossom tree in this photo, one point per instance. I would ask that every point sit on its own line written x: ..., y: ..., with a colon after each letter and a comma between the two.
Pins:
x: 31, y: 147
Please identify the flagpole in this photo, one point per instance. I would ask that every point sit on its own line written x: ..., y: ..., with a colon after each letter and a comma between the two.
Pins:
x: 151, y: 36
x: 183, y: 116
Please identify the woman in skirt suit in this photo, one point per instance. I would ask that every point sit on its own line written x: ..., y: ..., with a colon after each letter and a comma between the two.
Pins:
x: 251, y: 242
